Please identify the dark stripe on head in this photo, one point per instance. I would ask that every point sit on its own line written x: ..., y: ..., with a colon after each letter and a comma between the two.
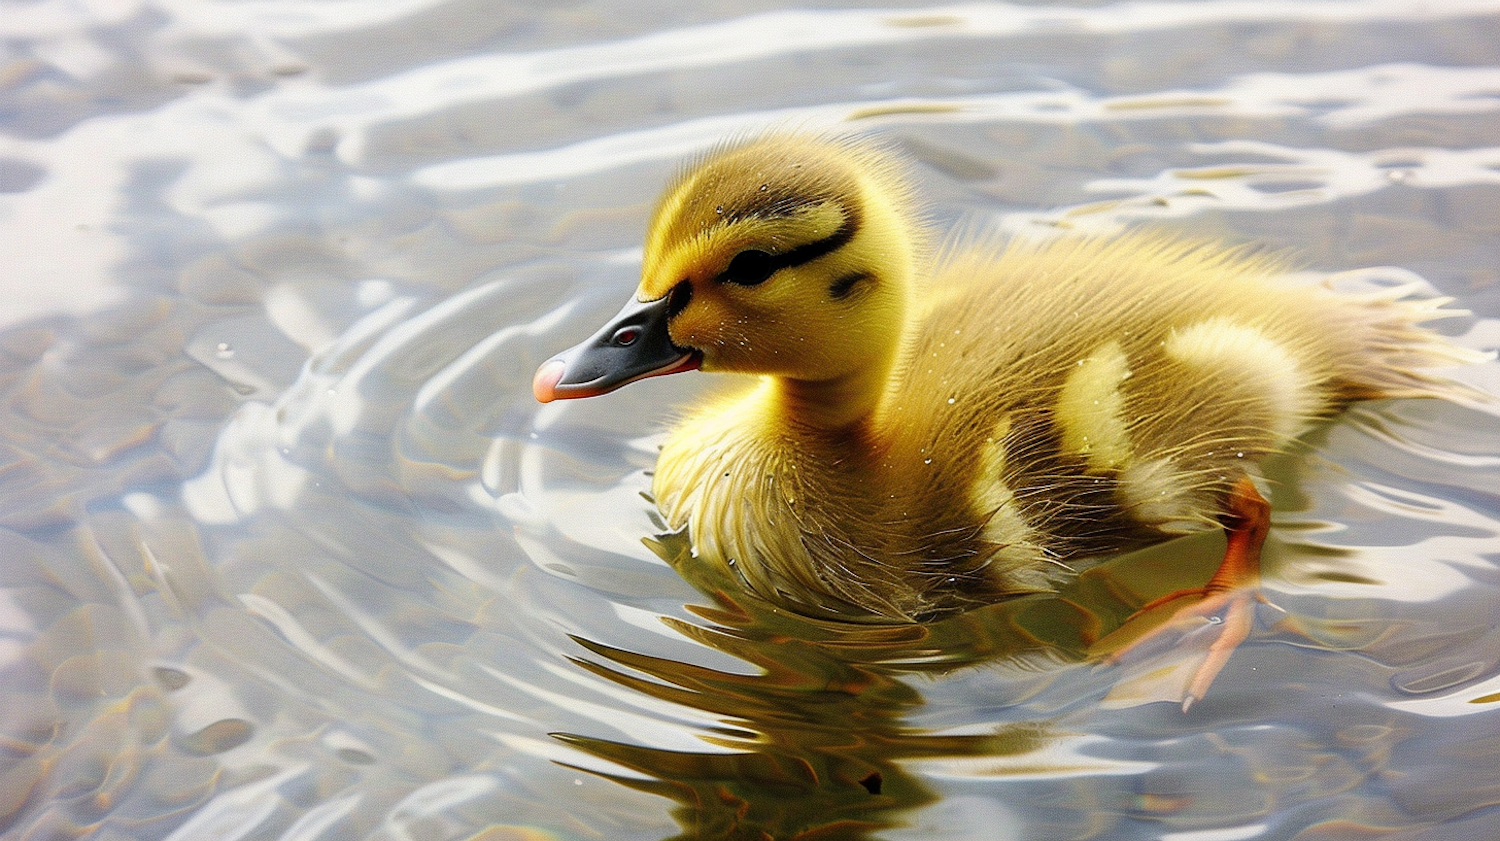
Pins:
x: 833, y: 242
x: 773, y: 204
x: 808, y: 252
x: 844, y: 285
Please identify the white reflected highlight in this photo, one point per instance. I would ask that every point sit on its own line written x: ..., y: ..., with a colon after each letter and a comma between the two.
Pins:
x: 414, y: 94
x: 1064, y: 758
x: 1432, y: 90
x: 248, y: 471
x: 239, y: 811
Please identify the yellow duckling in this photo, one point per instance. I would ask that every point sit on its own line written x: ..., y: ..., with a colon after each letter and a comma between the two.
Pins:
x: 927, y: 433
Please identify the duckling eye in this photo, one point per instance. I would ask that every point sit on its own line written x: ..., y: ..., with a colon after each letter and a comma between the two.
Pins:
x: 749, y: 267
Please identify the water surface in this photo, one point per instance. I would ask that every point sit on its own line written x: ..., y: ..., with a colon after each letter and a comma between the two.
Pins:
x: 288, y: 552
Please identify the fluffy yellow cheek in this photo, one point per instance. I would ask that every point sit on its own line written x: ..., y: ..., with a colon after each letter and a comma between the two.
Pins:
x: 742, y: 339
x: 764, y: 346
x: 791, y: 328
x: 711, y: 330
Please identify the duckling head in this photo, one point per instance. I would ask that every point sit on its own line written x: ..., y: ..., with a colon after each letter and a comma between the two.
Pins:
x: 788, y: 255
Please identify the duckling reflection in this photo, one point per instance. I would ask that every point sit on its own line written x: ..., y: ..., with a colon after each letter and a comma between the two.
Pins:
x: 926, y: 437
x: 819, y: 736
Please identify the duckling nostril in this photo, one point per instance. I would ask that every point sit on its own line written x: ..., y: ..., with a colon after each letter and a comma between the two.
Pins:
x: 625, y: 337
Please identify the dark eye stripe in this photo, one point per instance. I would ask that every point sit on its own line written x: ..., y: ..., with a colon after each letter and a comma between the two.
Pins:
x: 834, y: 241
x: 808, y: 252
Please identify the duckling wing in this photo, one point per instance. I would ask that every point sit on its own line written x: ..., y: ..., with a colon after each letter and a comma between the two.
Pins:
x: 1100, y: 391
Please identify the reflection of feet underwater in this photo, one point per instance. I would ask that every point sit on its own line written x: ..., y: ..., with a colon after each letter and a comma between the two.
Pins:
x: 924, y: 437
x: 1226, y: 602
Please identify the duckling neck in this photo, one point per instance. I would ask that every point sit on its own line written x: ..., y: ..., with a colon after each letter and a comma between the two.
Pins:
x: 832, y: 404
x: 839, y: 403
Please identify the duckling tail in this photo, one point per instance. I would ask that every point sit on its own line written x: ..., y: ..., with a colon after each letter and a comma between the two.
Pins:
x: 1395, y: 355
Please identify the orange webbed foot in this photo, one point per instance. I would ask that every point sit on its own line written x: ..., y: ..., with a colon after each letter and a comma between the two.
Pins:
x: 1227, y: 600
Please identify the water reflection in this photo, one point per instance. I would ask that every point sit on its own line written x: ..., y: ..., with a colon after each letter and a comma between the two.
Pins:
x: 818, y: 737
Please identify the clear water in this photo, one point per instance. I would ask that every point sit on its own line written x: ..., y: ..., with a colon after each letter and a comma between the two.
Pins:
x: 288, y: 552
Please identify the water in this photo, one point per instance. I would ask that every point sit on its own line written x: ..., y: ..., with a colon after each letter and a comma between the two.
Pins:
x: 287, y: 551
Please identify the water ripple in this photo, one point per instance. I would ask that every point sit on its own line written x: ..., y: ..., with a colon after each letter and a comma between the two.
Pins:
x: 289, y: 552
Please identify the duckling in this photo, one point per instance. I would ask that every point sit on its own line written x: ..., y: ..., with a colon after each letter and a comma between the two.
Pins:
x: 933, y: 428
